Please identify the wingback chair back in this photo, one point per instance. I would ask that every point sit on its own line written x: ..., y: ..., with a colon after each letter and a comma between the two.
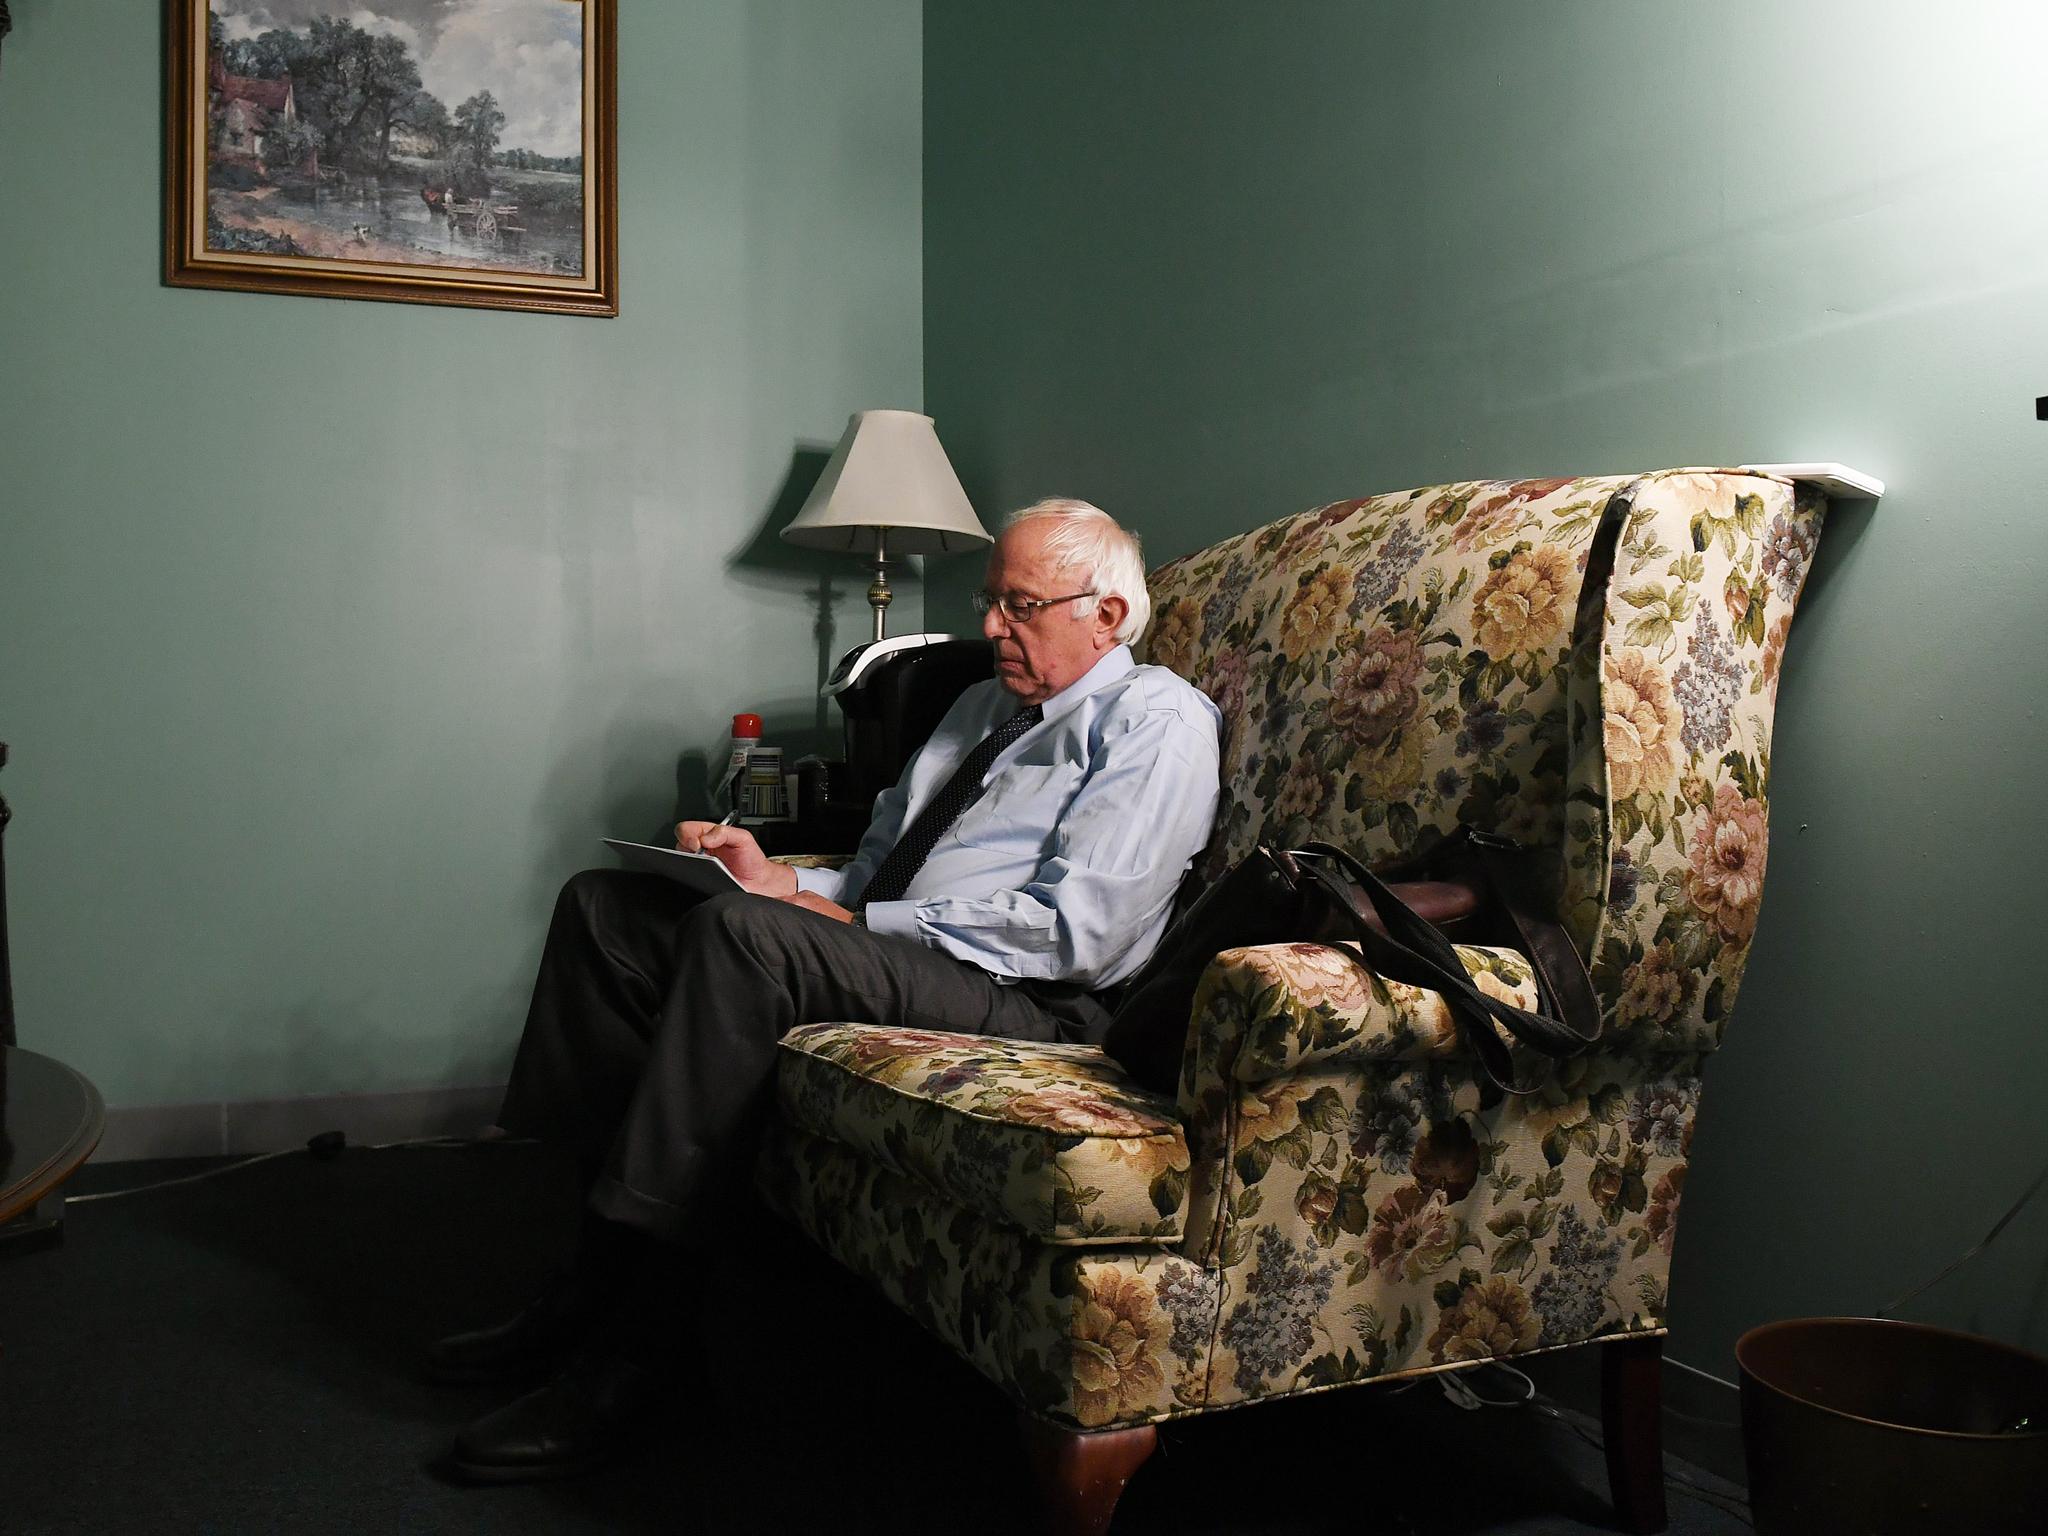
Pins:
x: 1393, y: 667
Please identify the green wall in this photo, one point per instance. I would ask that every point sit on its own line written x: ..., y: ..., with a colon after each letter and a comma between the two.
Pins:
x: 333, y: 635
x: 1212, y: 263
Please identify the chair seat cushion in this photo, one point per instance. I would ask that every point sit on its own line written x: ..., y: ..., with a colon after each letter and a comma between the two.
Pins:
x: 1047, y: 1138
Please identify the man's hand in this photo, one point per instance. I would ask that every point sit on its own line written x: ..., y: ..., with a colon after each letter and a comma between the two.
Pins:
x: 735, y: 848
x: 811, y: 901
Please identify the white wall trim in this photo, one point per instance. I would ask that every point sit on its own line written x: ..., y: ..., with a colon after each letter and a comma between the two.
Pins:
x: 272, y: 1125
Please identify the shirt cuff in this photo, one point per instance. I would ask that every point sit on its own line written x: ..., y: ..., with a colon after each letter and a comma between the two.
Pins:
x: 892, y: 917
x: 828, y: 883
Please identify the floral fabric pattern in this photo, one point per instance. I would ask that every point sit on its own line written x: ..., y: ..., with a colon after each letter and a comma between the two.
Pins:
x: 1089, y: 1337
x: 1663, y: 870
x: 1346, y: 1201
x: 1406, y: 651
x: 1050, y: 1138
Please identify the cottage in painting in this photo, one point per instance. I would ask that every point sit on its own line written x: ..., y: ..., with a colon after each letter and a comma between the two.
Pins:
x: 243, y: 110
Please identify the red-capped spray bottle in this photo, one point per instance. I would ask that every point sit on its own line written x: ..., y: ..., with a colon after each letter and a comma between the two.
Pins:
x: 746, y: 736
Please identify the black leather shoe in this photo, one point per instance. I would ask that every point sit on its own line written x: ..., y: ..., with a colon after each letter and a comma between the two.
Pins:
x: 529, y: 1347
x: 600, y: 1406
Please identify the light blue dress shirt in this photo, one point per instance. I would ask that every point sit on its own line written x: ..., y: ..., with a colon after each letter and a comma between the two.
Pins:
x: 1065, y: 869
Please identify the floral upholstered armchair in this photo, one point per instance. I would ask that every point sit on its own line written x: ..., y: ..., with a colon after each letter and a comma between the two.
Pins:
x: 1328, y: 1198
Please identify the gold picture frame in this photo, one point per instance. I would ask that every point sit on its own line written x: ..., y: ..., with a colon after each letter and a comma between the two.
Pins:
x: 310, y: 149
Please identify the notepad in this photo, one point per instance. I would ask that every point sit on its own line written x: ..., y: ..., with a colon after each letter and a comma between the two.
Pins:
x: 699, y: 871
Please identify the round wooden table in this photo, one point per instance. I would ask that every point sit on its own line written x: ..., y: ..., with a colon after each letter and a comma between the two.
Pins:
x: 50, y: 1120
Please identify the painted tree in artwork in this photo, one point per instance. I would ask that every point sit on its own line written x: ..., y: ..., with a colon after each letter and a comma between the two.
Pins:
x: 428, y: 117
x: 390, y: 88
x: 477, y: 122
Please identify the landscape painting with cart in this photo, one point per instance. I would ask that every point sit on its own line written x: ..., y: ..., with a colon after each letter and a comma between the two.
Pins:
x: 442, y: 151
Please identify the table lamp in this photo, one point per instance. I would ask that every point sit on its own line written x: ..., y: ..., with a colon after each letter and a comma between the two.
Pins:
x: 887, y: 491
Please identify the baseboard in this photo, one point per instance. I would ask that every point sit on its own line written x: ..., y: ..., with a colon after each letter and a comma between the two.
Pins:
x: 1702, y: 1412
x: 273, y: 1125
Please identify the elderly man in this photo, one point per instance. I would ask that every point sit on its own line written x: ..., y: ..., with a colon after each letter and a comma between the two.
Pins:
x: 1023, y: 867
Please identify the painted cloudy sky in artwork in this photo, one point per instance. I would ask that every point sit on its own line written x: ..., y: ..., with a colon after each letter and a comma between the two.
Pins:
x: 527, y: 53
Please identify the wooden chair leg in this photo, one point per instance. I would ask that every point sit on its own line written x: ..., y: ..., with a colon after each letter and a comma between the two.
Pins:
x: 1632, y: 1425
x: 1080, y: 1476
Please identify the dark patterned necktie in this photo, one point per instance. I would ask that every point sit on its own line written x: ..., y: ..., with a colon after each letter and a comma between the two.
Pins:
x: 895, y: 873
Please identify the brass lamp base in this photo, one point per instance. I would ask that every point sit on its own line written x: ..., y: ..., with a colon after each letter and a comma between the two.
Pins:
x: 879, y: 595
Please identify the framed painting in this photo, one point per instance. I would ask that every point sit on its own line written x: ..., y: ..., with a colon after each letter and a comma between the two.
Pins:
x: 425, y: 151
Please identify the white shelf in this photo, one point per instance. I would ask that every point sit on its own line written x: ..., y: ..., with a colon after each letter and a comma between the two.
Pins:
x: 1835, y: 479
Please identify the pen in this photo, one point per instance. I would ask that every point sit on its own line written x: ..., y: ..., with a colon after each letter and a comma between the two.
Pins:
x: 730, y: 818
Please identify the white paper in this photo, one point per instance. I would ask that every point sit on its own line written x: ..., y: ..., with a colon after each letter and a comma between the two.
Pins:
x: 699, y: 871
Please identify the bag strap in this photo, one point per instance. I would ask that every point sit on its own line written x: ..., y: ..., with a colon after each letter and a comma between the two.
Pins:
x: 1415, y: 951
x: 1548, y: 1029
x: 1562, y: 981
x: 1511, y: 875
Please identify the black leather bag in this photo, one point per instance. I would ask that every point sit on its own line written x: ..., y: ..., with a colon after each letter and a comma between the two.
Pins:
x: 1480, y: 887
x: 1259, y: 901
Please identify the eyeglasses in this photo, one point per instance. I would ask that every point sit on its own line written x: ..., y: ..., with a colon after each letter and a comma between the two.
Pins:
x: 1020, y: 610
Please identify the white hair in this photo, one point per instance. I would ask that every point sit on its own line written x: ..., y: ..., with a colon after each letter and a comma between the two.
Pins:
x: 1086, y: 538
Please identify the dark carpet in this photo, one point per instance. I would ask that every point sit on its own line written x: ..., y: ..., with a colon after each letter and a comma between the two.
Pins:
x: 243, y: 1353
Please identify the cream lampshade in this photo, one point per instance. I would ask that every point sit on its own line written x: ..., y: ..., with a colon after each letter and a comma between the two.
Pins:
x: 887, y: 491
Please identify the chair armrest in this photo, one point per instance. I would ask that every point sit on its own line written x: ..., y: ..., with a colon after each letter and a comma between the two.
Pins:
x: 1280, y: 1039
x: 1275, y: 1010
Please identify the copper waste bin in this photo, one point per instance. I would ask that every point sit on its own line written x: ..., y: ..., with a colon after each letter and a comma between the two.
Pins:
x: 1856, y: 1426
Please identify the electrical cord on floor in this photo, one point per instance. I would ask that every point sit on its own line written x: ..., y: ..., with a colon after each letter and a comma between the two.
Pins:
x: 190, y: 1178
x: 321, y: 1148
x: 1455, y: 1388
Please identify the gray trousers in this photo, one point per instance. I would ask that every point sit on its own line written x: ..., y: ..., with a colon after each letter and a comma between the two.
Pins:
x: 649, y: 1050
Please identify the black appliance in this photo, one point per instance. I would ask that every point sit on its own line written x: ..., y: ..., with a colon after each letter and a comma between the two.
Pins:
x: 893, y: 693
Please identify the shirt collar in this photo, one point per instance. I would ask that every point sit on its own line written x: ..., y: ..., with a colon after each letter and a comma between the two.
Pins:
x: 1115, y: 663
